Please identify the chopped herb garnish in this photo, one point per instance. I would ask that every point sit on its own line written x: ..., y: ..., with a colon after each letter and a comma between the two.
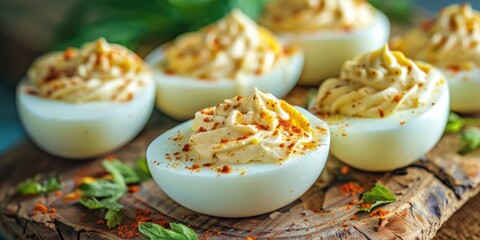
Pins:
x: 178, y: 232
x: 114, y: 217
x: 455, y: 123
x: 378, y: 195
x: 104, y: 194
x: 311, y: 94
x: 33, y: 186
x: 468, y: 129
x: 142, y: 169
x: 470, y: 137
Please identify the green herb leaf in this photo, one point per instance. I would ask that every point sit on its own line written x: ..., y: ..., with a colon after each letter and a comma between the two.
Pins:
x: 100, y: 188
x: 127, y: 172
x: 105, y: 194
x: 184, y: 230
x: 455, y: 123
x: 155, y: 231
x: 142, y: 169
x: 471, y: 139
x: 32, y: 186
x: 114, y: 217
x: 91, y: 202
x: 378, y: 195
x: 311, y: 94
x: 118, y: 178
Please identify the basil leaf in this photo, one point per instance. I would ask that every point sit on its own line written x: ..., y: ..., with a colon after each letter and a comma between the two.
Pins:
x: 142, y: 169
x: 378, y: 195
x: 32, y: 186
x: 117, y: 176
x: 52, y: 184
x: 91, y: 202
x: 114, y: 217
x: 471, y: 140
x: 455, y: 123
x: 155, y: 231
x: 127, y: 172
x: 100, y: 188
x: 184, y: 230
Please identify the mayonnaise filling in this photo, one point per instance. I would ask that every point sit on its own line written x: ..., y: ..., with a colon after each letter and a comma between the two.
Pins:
x: 451, y: 40
x: 376, y: 85
x: 257, y: 127
x: 231, y: 48
x: 312, y: 15
x: 98, y: 71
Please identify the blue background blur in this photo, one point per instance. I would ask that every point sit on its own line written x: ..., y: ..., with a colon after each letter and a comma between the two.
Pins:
x: 16, y: 14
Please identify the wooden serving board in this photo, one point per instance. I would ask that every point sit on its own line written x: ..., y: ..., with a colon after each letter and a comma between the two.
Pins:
x: 428, y: 191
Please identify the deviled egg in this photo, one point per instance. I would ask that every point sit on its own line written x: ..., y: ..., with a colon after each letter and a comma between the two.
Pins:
x: 329, y: 32
x: 385, y: 111
x: 246, y: 156
x: 225, y: 59
x: 85, y: 102
x: 451, y: 42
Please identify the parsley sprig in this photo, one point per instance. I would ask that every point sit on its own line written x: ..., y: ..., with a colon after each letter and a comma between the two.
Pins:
x: 468, y: 129
x: 34, y: 185
x: 105, y: 194
x: 178, y: 231
x: 377, y: 196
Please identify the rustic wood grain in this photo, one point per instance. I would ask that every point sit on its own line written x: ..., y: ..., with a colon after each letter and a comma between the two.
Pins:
x: 429, y: 192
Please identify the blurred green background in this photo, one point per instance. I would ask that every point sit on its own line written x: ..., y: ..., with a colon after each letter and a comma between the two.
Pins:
x: 29, y: 28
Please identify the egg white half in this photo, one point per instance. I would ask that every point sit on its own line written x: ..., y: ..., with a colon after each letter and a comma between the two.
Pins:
x: 326, y: 51
x: 464, y: 90
x: 250, y: 189
x: 83, y: 130
x: 383, y: 144
x: 180, y: 96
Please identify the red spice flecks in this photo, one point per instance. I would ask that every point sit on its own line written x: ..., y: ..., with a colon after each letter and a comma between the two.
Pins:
x: 178, y: 137
x: 69, y: 53
x: 381, y: 113
x: 208, y: 111
x: 186, y: 147
x: 38, y: 207
x: 365, y: 205
x: 350, y: 188
x: 207, y: 120
x: 225, y: 169
x: 57, y: 193
x: 130, y: 228
x: 454, y: 68
x: 354, y: 217
x: 344, y: 170
x: 402, y: 123
x: 133, y: 189
x: 32, y: 92
x: 202, y: 129
x: 397, y: 98
x: 379, y: 213
x: 426, y: 25
x: 207, y: 164
x: 169, y: 71
x: 100, y: 222
x: 194, y: 167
